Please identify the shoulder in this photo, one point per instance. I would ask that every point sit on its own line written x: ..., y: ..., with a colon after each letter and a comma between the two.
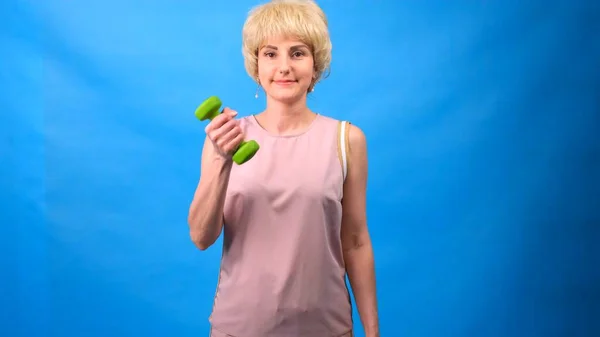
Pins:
x: 357, y: 162
x: 357, y: 140
x: 354, y: 136
x: 328, y: 120
x: 246, y: 121
x: 357, y: 152
x: 355, y: 133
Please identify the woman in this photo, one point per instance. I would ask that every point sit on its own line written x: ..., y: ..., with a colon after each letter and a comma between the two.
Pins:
x: 293, y: 217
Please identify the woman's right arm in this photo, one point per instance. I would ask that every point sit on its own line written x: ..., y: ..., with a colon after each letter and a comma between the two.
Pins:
x: 205, y: 216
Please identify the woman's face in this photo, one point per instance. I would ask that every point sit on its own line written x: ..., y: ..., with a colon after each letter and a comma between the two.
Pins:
x: 285, y: 69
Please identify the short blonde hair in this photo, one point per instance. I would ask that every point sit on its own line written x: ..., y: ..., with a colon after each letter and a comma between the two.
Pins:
x: 302, y: 19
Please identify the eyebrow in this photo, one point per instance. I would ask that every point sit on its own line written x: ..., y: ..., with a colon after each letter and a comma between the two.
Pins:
x: 298, y: 46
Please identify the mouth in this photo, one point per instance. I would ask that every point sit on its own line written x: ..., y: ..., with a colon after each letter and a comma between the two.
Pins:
x: 284, y: 82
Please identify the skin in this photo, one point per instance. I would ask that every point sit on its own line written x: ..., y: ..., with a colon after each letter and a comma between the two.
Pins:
x: 287, y: 59
x: 356, y: 241
x: 290, y: 60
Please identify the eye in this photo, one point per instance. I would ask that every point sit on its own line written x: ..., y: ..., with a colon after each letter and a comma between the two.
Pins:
x: 269, y: 54
x: 298, y: 53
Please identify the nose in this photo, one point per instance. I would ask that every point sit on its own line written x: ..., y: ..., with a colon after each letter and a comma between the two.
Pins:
x: 284, y: 65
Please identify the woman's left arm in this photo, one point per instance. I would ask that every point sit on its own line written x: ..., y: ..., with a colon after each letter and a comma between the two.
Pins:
x: 356, y: 241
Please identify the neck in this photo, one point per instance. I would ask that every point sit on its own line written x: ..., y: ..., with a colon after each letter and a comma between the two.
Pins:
x: 286, y: 118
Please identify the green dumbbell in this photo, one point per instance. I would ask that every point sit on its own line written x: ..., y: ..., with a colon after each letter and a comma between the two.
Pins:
x: 210, y: 109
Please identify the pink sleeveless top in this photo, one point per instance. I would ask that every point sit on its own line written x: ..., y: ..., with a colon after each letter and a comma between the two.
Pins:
x: 282, y: 270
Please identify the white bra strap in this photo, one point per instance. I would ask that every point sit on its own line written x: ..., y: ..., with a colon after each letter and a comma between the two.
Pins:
x: 343, y: 141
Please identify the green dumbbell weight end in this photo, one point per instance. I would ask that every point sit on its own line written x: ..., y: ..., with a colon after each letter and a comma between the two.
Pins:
x: 210, y: 109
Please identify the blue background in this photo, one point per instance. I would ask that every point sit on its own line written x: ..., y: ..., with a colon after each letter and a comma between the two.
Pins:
x: 481, y: 118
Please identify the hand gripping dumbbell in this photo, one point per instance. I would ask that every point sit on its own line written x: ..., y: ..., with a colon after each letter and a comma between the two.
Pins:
x: 210, y: 109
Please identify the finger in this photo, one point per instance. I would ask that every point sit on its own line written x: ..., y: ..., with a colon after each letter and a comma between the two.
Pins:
x: 223, y: 140
x: 227, y: 127
x: 223, y: 130
x: 217, y: 122
x: 229, y: 111
x: 234, y: 143
x: 226, y: 115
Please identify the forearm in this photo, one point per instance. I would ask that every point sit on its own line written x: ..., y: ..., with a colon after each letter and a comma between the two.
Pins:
x: 360, y: 267
x: 205, y: 216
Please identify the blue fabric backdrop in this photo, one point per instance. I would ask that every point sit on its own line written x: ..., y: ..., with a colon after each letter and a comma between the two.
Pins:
x: 481, y: 118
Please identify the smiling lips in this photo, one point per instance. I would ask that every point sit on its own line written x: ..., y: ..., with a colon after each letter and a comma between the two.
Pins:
x: 284, y: 82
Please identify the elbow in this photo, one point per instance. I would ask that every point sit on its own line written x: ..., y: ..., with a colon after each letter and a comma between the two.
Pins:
x: 201, y: 246
x: 203, y: 235
x: 200, y: 241
x: 196, y: 236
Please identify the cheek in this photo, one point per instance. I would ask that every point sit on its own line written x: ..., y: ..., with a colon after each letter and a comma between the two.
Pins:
x: 265, y: 70
x: 309, y: 74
